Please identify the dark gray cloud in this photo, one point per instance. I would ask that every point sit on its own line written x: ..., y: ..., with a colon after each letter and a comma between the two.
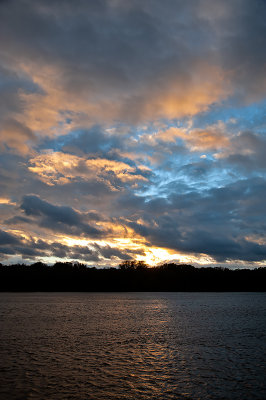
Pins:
x: 247, y: 152
x: 11, y: 82
x: 8, y: 243
x: 6, y: 238
x: 36, y: 249
x: 110, y: 252
x: 224, y: 223
x: 18, y: 220
x: 244, y: 37
x: 57, y: 218
x: 94, y: 141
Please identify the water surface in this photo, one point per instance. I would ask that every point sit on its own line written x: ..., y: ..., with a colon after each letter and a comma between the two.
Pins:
x: 140, y: 346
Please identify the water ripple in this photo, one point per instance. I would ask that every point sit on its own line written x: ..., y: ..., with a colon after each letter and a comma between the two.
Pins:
x: 137, y: 346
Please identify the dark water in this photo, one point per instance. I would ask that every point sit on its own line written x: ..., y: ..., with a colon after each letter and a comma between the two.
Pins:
x: 133, y: 346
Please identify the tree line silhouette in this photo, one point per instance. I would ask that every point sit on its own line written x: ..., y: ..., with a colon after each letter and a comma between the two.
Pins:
x: 129, y: 276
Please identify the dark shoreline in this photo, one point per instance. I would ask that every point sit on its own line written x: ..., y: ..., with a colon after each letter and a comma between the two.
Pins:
x: 137, y: 277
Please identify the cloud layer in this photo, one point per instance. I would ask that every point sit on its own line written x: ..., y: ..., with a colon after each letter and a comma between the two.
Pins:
x: 133, y: 127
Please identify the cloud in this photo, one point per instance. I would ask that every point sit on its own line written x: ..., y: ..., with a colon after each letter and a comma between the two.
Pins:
x: 111, y: 252
x: 7, y: 238
x: 209, y: 139
x: 31, y: 249
x: 135, y: 69
x: 58, y: 218
x: 134, y: 120
x: 61, y: 168
x: 6, y: 200
x: 247, y: 152
x: 16, y: 136
x: 95, y: 141
x: 213, y: 137
x: 224, y: 223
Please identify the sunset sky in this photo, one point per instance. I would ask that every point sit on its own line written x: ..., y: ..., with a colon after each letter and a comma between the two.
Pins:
x: 133, y: 129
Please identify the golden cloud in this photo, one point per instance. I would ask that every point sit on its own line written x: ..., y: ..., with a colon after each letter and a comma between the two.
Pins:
x: 61, y: 168
x: 173, y: 96
x: 6, y: 200
x: 213, y: 137
x: 16, y: 136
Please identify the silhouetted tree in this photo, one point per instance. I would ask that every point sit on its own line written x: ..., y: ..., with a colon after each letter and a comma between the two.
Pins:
x: 132, y: 265
x: 130, y: 276
x: 140, y: 265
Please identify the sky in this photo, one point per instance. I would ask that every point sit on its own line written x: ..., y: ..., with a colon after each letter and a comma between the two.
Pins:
x: 133, y: 129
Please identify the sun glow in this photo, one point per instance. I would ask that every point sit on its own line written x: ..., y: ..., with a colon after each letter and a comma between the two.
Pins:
x: 156, y: 255
x: 139, y: 250
x: 75, y: 242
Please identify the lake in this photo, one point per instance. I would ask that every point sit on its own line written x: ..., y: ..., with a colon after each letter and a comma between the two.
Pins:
x: 139, y: 346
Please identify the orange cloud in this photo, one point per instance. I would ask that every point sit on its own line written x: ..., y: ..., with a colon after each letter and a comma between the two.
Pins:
x: 61, y: 168
x: 188, y: 95
x: 173, y: 96
x: 16, y: 136
x: 6, y: 200
x: 213, y: 137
